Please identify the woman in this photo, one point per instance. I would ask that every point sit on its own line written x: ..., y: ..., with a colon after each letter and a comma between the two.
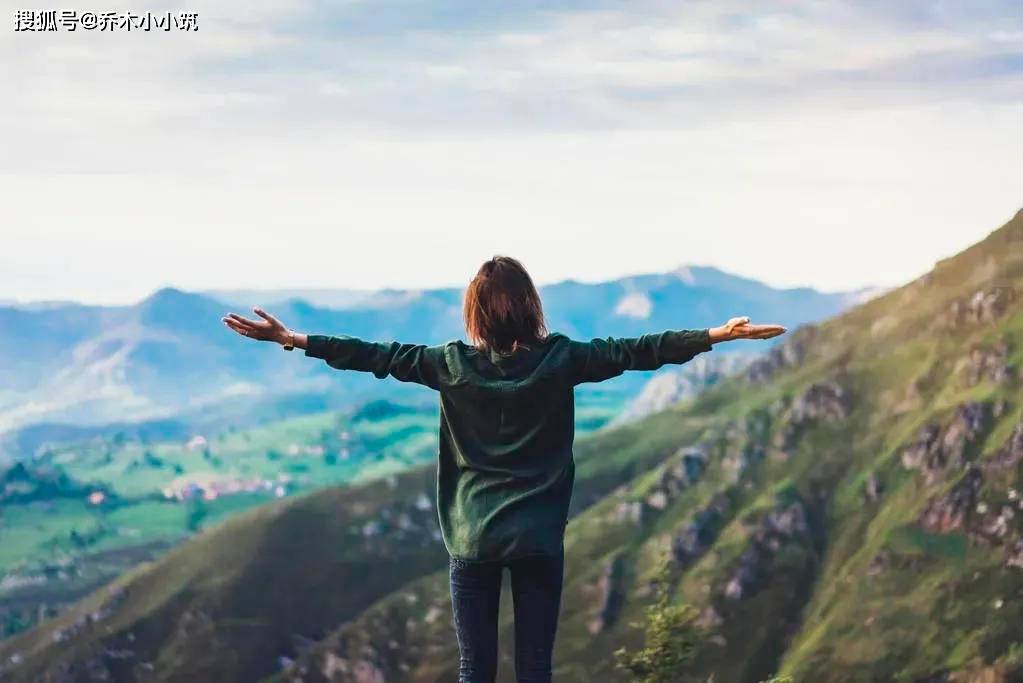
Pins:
x: 505, y: 466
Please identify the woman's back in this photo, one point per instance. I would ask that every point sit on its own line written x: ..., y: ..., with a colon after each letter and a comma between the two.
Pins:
x: 505, y: 470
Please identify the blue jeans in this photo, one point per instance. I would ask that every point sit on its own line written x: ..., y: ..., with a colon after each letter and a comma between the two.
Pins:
x: 536, y: 594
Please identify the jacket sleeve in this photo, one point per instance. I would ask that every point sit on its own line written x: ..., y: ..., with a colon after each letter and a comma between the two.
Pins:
x: 601, y: 359
x: 405, y: 362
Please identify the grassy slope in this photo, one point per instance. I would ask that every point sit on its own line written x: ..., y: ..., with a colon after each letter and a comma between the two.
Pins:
x: 817, y: 613
x: 813, y: 610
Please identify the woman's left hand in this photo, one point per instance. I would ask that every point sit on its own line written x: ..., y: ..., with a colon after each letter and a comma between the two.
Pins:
x: 742, y: 328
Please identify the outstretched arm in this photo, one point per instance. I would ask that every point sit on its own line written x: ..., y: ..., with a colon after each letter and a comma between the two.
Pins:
x: 405, y: 362
x: 602, y: 359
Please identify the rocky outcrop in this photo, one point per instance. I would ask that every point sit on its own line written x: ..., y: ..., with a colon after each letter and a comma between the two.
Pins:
x: 781, y: 527
x: 820, y: 402
x: 1014, y: 555
x: 668, y: 388
x: 752, y: 435
x: 936, y: 449
x: 784, y: 355
x: 404, y: 521
x: 676, y: 477
x: 879, y: 563
x: 610, y: 595
x: 951, y: 511
x: 699, y: 533
x: 1009, y: 455
x: 987, y: 364
x: 115, y: 597
x: 737, y: 464
x: 996, y: 519
x: 357, y: 670
x: 981, y: 308
x: 872, y: 489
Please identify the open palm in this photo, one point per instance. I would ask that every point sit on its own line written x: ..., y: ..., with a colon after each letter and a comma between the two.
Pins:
x: 267, y: 329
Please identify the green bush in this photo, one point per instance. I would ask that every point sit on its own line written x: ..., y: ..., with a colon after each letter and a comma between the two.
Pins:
x: 671, y: 637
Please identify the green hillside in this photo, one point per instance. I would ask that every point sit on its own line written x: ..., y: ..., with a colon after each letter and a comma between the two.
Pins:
x: 848, y: 510
x: 78, y: 515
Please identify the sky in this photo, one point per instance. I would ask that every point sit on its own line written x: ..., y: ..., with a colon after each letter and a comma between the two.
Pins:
x: 398, y: 144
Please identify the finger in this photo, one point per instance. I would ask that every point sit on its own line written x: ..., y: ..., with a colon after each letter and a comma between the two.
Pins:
x: 766, y: 331
x: 243, y: 321
x: 245, y: 332
x: 267, y: 317
x: 736, y: 323
x: 742, y: 329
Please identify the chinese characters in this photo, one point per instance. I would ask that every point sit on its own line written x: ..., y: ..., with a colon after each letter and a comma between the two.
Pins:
x: 72, y: 20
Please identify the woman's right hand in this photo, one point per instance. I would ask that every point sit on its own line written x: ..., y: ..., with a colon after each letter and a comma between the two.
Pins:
x: 742, y: 328
x: 267, y: 329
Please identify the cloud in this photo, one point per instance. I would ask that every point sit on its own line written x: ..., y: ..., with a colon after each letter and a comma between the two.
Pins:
x: 443, y: 65
x: 146, y: 158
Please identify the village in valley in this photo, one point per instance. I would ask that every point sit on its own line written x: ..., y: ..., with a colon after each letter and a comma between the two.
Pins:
x: 76, y: 514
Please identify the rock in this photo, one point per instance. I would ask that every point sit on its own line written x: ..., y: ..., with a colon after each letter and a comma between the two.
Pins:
x: 631, y: 511
x: 970, y: 421
x: 983, y: 307
x: 610, y: 596
x: 995, y: 527
x: 879, y: 563
x: 821, y: 401
x: 1014, y: 555
x: 668, y: 388
x: 746, y: 575
x: 936, y: 449
x: 989, y: 364
x: 333, y: 666
x: 690, y: 469
x: 698, y: 534
x: 872, y: 489
x: 115, y: 596
x: 783, y: 355
x: 367, y: 672
x: 658, y: 500
x: 739, y: 463
x: 951, y: 511
x: 998, y: 409
x: 709, y: 618
x: 775, y: 530
x: 1009, y: 455
x: 674, y: 478
x: 787, y: 522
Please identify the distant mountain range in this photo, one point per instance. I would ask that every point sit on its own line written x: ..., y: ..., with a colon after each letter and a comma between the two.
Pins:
x: 847, y: 508
x: 169, y: 361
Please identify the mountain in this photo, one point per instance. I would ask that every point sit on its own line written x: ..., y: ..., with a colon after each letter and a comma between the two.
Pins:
x: 674, y: 385
x: 845, y: 509
x: 169, y: 359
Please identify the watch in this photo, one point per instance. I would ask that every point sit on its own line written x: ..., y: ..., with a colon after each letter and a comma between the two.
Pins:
x: 289, y: 342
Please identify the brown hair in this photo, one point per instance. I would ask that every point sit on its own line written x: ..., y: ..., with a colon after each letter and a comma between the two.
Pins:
x: 502, y: 307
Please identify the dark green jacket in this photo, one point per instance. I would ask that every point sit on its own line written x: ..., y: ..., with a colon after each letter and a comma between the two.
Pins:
x: 507, y: 422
